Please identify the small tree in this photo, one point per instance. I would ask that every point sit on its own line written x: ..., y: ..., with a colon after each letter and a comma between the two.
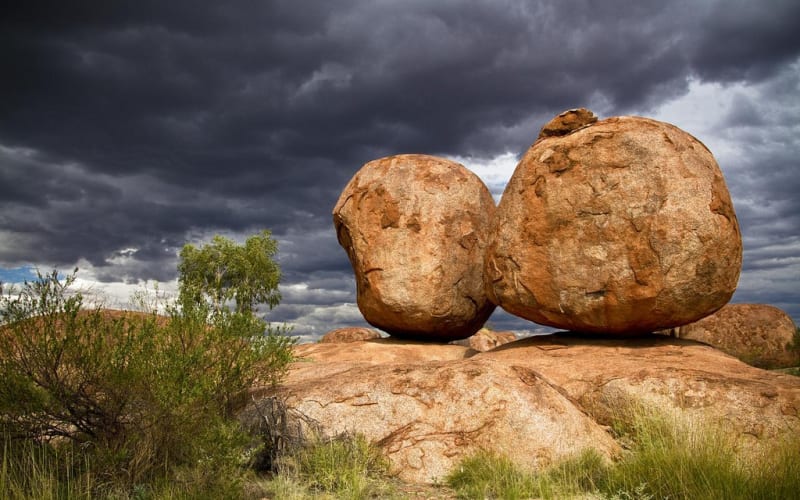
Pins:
x: 222, y: 271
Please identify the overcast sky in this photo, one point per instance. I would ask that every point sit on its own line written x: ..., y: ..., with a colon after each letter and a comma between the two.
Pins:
x: 130, y: 128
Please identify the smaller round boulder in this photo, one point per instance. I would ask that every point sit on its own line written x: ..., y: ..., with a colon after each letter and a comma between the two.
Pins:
x: 758, y: 334
x: 415, y: 229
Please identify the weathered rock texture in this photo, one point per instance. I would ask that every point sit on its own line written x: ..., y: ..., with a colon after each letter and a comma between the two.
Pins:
x: 486, y: 340
x: 415, y: 229
x: 536, y: 400
x: 427, y: 414
x: 699, y: 382
x: 343, y: 335
x: 622, y: 226
x: 758, y: 334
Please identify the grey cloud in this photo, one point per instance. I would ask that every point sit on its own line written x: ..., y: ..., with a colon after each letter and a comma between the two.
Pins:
x: 150, y: 123
x: 303, y: 254
x: 762, y: 34
x: 745, y: 113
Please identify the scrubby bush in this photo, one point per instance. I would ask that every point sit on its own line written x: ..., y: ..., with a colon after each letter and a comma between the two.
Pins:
x: 137, y: 401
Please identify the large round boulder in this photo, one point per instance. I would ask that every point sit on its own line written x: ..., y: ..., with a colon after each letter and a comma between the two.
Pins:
x: 758, y: 334
x: 415, y: 230
x: 623, y: 226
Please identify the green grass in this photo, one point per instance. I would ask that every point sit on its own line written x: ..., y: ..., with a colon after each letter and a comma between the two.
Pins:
x: 672, y: 459
x: 346, y: 467
x: 489, y: 475
x: 667, y: 459
x: 31, y: 470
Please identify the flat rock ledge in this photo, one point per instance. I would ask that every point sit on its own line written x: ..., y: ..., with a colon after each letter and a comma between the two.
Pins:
x: 536, y: 400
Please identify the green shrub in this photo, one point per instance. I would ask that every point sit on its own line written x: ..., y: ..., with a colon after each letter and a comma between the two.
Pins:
x: 138, y: 399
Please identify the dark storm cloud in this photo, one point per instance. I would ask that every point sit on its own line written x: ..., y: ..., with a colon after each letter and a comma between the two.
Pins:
x: 138, y: 126
x: 763, y: 176
x: 304, y: 250
x: 744, y: 40
x: 191, y: 93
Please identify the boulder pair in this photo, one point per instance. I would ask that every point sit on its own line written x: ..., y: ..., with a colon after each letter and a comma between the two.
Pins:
x: 619, y: 226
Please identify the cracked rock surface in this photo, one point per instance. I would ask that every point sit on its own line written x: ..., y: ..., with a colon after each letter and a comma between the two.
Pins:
x: 624, y: 225
x: 415, y: 230
x: 428, y: 407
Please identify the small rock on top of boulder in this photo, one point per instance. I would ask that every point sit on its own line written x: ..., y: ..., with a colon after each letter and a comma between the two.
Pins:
x: 568, y: 122
x: 415, y: 230
x: 622, y: 226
